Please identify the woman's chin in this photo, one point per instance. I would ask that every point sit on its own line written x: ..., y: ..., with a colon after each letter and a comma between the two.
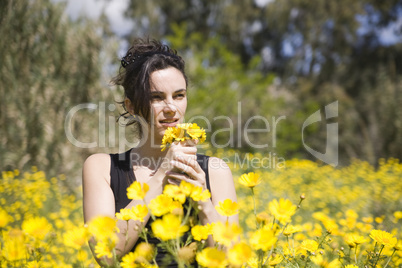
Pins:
x: 158, y: 136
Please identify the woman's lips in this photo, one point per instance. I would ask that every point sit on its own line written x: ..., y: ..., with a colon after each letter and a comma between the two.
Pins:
x: 169, y: 122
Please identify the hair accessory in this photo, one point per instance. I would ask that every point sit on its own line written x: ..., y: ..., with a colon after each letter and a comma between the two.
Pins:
x: 130, y: 58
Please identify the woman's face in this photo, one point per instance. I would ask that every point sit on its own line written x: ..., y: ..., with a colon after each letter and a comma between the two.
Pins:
x: 168, y: 100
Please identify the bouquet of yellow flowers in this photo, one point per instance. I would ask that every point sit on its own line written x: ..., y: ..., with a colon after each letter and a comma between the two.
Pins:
x: 183, y: 132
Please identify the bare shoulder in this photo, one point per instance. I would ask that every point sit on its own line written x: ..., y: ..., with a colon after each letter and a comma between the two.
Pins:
x: 217, y: 166
x: 97, y: 166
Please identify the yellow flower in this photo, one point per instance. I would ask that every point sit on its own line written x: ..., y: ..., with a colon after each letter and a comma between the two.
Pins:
x: 186, y: 187
x: 124, y: 214
x: 210, y: 227
x: 145, y: 250
x: 398, y: 215
x: 334, y: 264
x: 136, y: 192
x: 383, y: 238
x: 291, y: 229
x: 187, y: 254
x: 252, y: 262
x: 263, y: 238
x: 175, y: 192
x: 187, y: 131
x: 398, y: 245
x: 212, y: 257
x: 198, y: 194
x: 354, y: 240
x: 262, y: 217
x: 38, y: 227
x: 141, y: 257
x: 287, y: 250
x: 239, y: 253
x: 102, y: 227
x: 33, y: 264
x: 309, y: 245
x: 351, y: 266
x: 250, y: 179
x: 76, y: 237
x: 139, y: 212
x: 163, y: 204
x: 129, y: 260
x: 82, y: 255
x: 282, y: 210
x: 227, y: 208
x: 104, y: 249
x: 196, y: 133
x: 169, y: 227
x: 225, y: 233
x: 275, y: 260
x: 200, y: 232
x: 4, y: 218
x: 14, y: 247
x: 171, y: 135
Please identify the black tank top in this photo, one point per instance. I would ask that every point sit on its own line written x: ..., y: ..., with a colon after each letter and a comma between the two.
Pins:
x: 121, y: 177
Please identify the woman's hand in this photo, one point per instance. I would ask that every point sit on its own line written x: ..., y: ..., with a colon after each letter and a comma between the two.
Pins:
x: 184, y: 166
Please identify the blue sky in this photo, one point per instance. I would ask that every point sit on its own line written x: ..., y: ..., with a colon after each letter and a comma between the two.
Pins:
x: 113, y: 9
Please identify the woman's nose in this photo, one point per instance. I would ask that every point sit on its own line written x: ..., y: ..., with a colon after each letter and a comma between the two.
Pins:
x: 169, y: 107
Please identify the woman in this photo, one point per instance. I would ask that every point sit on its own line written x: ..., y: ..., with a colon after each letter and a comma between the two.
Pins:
x: 155, y: 87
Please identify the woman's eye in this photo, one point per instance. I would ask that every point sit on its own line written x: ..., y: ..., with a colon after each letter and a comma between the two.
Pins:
x: 156, y: 97
x: 180, y: 95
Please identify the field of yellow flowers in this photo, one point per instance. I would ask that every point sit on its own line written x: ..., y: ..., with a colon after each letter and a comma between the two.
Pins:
x: 302, y: 214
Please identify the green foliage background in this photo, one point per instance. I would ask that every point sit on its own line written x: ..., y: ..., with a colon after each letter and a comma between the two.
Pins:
x: 234, y: 51
x: 50, y: 63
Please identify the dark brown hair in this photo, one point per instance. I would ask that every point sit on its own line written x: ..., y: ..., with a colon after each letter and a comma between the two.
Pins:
x: 142, y: 59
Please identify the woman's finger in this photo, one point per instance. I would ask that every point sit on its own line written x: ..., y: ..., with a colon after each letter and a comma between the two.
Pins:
x: 189, y: 161
x: 188, y: 173
x: 183, y: 168
x: 176, y: 178
x: 183, y: 147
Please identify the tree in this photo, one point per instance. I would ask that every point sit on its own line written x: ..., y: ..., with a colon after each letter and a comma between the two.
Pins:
x: 321, y: 51
x: 48, y: 65
x: 235, y: 102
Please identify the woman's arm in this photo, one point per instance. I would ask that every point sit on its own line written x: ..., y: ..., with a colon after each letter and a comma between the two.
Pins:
x: 98, y: 199
x: 222, y: 187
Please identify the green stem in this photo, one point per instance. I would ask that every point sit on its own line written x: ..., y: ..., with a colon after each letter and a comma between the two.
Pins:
x: 269, y: 255
x: 255, y: 207
x: 293, y: 246
x: 379, y: 254
x: 126, y: 237
x: 188, y: 212
x: 323, y: 239
x: 305, y: 265
x: 179, y: 263
x: 287, y: 240
x: 370, y: 255
x: 356, y: 254
x: 390, y: 258
x: 260, y: 258
x: 144, y: 233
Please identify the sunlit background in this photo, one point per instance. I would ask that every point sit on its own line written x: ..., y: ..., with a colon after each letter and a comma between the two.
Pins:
x: 295, y: 67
